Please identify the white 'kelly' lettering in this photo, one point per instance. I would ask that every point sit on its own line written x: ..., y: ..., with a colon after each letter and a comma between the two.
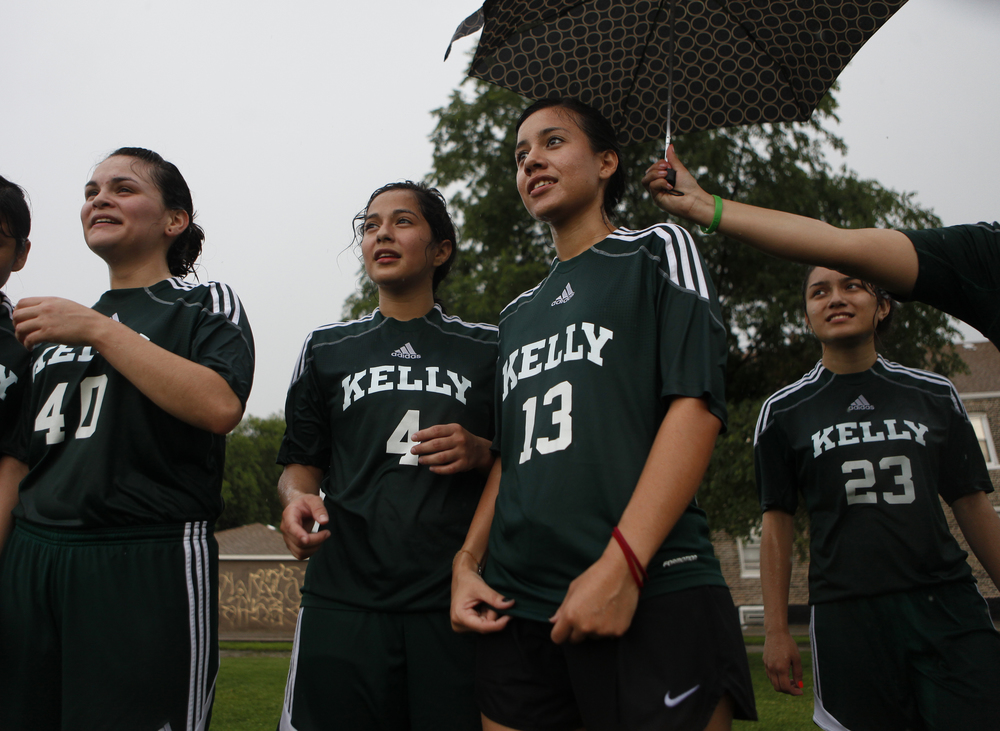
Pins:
x: 7, y: 379
x: 595, y: 338
x: 847, y: 434
x: 398, y: 377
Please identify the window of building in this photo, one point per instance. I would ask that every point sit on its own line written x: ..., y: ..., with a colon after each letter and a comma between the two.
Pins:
x: 749, y: 549
x: 751, y: 615
x: 981, y: 425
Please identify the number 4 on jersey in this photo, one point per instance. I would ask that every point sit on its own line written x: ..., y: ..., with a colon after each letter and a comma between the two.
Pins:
x: 51, y: 420
x: 401, y: 441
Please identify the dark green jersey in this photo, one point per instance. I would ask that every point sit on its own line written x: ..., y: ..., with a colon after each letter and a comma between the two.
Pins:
x: 589, y: 362
x: 359, y: 392
x: 960, y: 273
x: 102, y: 454
x: 14, y: 360
x: 870, y: 452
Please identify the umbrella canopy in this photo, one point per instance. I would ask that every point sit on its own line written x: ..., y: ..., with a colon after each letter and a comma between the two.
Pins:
x: 734, y: 62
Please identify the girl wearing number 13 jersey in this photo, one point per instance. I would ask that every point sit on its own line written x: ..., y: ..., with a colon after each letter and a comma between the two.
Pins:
x: 901, y: 638
x: 601, y: 603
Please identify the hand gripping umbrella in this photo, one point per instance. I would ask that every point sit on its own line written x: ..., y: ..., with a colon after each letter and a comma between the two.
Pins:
x: 678, y: 65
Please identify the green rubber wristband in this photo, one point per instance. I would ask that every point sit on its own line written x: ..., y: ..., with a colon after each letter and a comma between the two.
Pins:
x: 716, y: 219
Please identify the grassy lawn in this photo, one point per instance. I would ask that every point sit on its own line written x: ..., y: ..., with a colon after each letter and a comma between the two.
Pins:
x: 251, y: 688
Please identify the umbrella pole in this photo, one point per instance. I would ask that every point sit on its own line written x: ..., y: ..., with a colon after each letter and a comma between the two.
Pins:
x: 670, y: 77
x: 671, y: 173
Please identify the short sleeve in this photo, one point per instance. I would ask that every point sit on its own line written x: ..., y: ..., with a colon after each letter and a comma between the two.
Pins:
x: 963, y: 467
x: 223, y: 341
x: 774, y: 468
x: 692, y: 338
x: 307, y: 439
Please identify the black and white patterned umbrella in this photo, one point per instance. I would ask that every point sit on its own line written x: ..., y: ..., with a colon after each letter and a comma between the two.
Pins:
x: 733, y: 62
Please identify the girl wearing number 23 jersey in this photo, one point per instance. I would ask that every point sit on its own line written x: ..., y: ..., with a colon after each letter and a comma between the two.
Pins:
x: 108, y: 584
x: 901, y: 638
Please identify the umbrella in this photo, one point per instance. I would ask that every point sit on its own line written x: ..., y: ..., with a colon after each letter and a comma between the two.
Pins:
x: 729, y: 63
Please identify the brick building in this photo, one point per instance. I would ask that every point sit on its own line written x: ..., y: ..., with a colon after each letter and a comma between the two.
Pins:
x: 979, y: 390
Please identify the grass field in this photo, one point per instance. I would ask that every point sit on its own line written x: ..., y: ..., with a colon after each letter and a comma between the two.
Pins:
x: 251, y: 688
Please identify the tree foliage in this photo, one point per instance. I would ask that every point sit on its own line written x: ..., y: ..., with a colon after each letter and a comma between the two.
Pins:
x: 503, y: 252
x: 250, y: 478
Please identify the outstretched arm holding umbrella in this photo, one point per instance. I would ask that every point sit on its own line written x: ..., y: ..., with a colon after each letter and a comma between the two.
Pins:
x: 956, y: 269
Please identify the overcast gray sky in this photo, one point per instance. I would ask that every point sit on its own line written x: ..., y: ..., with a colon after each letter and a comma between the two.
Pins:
x: 284, y: 117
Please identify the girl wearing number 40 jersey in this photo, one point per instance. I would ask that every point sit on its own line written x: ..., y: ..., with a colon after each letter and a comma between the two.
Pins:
x: 601, y: 604
x: 108, y: 583
x: 390, y: 415
x: 901, y: 637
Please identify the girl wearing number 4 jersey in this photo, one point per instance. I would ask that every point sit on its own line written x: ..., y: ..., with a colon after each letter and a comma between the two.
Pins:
x: 601, y: 602
x: 901, y: 637
x: 108, y: 583
x: 390, y: 415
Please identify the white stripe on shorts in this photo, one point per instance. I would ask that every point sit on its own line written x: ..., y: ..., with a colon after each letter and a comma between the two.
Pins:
x: 821, y: 717
x: 285, y: 724
x: 200, y: 690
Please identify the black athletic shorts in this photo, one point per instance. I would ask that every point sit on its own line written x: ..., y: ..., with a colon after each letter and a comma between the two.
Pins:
x: 925, y: 658
x: 682, y: 652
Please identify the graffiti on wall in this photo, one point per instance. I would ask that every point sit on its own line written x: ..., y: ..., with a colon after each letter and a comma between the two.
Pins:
x: 254, y: 596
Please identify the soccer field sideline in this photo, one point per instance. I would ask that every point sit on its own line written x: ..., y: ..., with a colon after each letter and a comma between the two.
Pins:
x: 251, y: 688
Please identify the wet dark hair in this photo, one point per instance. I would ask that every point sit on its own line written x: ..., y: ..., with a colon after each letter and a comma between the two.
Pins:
x: 433, y: 208
x: 186, y: 248
x: 600, y: 134
x: 15, y: 217
x: 885, y: 324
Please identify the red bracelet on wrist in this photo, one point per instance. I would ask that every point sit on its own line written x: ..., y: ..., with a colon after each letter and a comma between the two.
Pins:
x: 634, y: 565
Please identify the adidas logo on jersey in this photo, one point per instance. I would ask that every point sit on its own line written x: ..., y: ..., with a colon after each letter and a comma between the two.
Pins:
x: 861, y: 404
x: 566, y: 296
x: 406, y: 351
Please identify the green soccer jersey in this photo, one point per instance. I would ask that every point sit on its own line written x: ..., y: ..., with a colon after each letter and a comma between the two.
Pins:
x: 100, y: 453
x: 14, y: 360
x: 589, y: 362
x: 960, y: 273
x: 870, y: 452
x: 359, y: 392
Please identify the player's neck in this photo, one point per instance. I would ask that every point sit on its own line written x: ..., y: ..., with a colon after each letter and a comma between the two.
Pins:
x: 405, y: 305
x: 842, y: 359
x: 141, y: 274
x: 575, y: 237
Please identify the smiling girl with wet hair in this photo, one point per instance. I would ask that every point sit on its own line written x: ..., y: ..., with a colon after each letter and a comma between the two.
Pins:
x: 109, y: 581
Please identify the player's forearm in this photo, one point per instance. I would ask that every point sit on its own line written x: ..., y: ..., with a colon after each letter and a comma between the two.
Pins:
x: 191, y: 392
x: 882, y: 256
x: 674, y: 468
x: 298, y: 480
x: 981, y: 527
x: 478, y: 537
x: 12, y: 471
x: 777, y: 536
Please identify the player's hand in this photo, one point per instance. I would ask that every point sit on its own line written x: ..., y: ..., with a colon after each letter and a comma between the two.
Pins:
x: 600, y: 602
x: 297, y: 521
x: 783, y: 663
x: 474, y: 605
x: 56, y: 320
x: 665, y: 195
x: 450, y: 448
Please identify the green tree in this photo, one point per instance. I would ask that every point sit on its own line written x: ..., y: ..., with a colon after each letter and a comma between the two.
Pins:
x: 250, y: 478
x: 504, y: 252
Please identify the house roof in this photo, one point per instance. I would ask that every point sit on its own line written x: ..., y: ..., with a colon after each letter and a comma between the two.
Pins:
x: 983, y: 360
x: 255, y: 539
